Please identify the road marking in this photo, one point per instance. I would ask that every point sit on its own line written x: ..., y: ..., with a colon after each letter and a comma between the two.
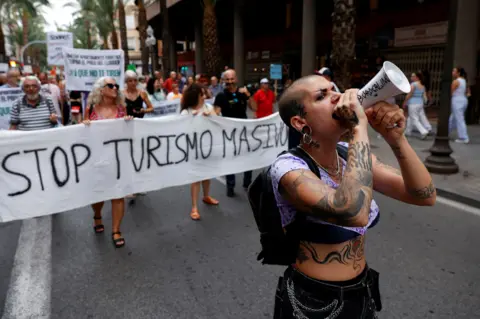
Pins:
x: 458, y: 205
x: 29, y: 292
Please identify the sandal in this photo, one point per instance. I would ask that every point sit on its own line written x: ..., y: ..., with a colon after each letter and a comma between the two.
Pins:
x: 98, y: 228
x: 195, y: 215
x: 209, y: 200
x: 119, y: 242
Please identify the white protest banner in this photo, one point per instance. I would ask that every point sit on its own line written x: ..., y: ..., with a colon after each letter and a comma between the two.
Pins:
x: 7, y: 97
x: 84, y: 67
x: 56, y: 170
x: 163, y: 108
x: 55, y: 42
x: 4, y: 67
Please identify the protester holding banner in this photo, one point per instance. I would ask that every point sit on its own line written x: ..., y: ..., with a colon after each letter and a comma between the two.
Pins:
x: 327, y: 212
x: 32, y: 111
x: 135, y: 97
x: 106, y: 102
x: 193, y: 103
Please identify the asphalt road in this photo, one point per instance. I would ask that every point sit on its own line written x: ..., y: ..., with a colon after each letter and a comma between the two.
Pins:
x: 173, y: 267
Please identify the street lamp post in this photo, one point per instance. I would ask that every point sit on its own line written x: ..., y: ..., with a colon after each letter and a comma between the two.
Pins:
x: 440, y: 161
x: 150, y: 42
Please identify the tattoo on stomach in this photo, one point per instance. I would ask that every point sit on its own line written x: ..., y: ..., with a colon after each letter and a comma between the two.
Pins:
x: 351, y: 253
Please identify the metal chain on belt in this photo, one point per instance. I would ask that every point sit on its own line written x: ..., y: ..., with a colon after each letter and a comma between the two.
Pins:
x: 296, y: 305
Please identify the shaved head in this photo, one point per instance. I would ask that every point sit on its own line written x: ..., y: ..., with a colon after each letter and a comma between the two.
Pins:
x: 230, y: 72
x: 292, y: 101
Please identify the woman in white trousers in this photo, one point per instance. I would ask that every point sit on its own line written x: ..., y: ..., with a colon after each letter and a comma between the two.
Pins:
x: 459, y: 105
x: 415, y: 101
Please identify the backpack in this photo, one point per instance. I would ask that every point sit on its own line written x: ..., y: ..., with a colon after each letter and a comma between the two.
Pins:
x: 279, y: 246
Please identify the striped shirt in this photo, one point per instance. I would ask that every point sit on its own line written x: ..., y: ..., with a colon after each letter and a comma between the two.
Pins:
x: 29, y: 117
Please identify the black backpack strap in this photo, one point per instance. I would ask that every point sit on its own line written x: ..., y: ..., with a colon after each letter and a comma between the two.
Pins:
x: 342, y: 151
x: 299, y: 152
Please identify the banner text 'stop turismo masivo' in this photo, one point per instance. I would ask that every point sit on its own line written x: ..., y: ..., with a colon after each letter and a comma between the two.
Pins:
x: 55, y: 170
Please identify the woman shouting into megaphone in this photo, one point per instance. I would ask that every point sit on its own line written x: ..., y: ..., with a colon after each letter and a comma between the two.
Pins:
x: 329, y: 210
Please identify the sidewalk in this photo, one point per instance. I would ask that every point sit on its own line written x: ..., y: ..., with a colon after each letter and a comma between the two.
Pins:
x: 462, y: 187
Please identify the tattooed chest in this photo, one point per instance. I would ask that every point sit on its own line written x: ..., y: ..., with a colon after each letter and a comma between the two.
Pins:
x: 350, y: 253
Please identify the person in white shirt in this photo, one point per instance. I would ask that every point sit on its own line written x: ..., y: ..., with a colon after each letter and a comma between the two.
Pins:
x: 52, y: 90
x: 175, y: 94
x: 193, y: 103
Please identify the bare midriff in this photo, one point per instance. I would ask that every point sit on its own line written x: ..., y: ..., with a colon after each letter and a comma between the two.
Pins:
x: 338, y: 262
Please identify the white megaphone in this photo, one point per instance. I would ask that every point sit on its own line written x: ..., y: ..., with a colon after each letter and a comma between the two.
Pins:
x: 389, y: 82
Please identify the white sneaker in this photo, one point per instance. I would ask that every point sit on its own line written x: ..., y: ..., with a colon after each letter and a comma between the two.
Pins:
x: 462, y: 141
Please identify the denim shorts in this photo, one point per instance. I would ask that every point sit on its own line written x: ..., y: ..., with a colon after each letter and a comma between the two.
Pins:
x: 301, y: 297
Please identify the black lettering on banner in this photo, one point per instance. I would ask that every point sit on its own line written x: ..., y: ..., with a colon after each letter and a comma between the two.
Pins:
x: 268, y: 145
x: 167, y: 137
x: 232, y: 139
x: 185, y: 153
x: 37, y: 160
x: 137, y: 169
x: 192, y: 145
x: 76, y: 162
x: 243, y: 139
x: 4, y: 166
x: 256, y: 138
x: 54, y: 166
x: 202, y: 143
x: 150, y: 149
x: 117, y: 156
x: 285, y: 129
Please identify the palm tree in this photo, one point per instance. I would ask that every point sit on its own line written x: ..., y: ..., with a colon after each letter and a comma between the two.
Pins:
x: 210, y: 37
x: 35, y: 32
x: 28, y: 8
x: 165, y: 37
x: 86, y: 14
x: 123, y: 30
x: 106, y: 10
x: 343, y: 41
x: 142, y: 30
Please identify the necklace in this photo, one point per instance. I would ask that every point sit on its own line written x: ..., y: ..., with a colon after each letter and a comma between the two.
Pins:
x: 326, y: 170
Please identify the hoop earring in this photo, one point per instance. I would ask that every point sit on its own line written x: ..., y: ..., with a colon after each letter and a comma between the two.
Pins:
x: 307, y: 137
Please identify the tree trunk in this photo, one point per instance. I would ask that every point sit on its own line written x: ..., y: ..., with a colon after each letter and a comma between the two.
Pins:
x: 210, y: 39
x: 142, y: 30
x: 25, y: 27
x: 343, y: 42
x: 165, y: 38
x: 123, y: 30
x: 114, y: 35
x: 3, y: 49
x: 105, y: 42
x: 86, y: 23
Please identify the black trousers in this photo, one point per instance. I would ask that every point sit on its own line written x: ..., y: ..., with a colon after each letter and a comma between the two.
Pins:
x: 247, y: 180
x: 302, y: 297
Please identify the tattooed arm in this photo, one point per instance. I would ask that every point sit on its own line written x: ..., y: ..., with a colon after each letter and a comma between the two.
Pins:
x: 349, y: 204
x: 412, y: 185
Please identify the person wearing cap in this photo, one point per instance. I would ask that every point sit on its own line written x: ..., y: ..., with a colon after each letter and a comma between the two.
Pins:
x: 264, y: 99
x: 327, y: 74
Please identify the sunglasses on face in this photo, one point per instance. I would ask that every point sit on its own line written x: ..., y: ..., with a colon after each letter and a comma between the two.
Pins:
x: 111, y: 86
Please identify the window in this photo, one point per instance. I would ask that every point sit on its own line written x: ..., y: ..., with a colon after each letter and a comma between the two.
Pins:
x: 130, y: 22
x: 132, y: 44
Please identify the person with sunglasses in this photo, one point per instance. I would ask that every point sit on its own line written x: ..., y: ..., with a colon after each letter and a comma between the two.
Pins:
x: 233, y: 102
x: 107, y: 102
x: 135, y: 97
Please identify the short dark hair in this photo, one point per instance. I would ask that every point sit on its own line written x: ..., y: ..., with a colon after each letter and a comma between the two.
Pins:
x: 291, y: 104
x: 191, y: 95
